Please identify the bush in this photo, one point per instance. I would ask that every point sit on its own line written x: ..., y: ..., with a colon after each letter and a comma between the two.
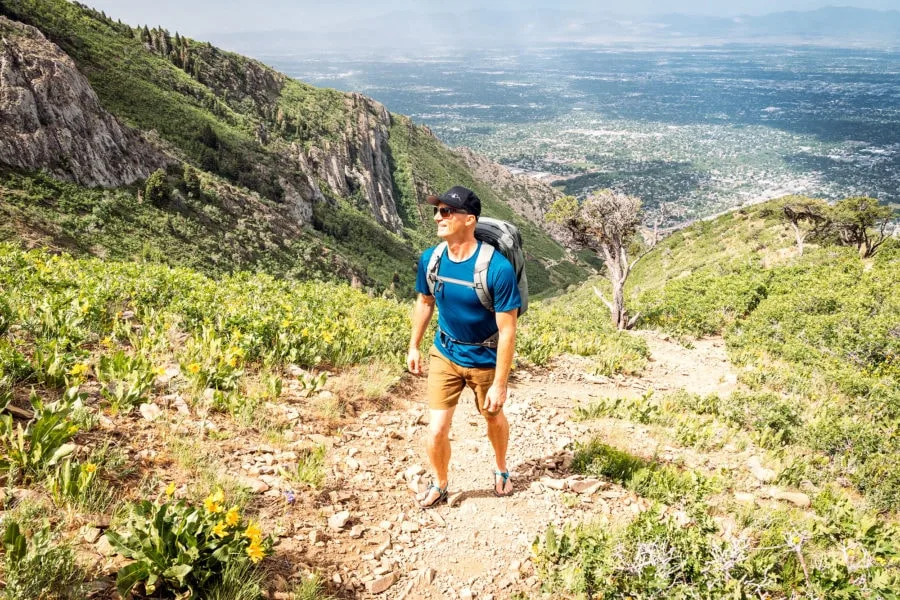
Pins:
x: 38, y: 567
x: 183, y: 548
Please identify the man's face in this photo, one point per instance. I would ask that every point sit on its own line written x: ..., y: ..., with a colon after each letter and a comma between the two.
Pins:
x: 450, y: 224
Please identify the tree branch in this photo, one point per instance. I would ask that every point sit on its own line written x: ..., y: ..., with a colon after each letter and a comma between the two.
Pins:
x: 605, y: 301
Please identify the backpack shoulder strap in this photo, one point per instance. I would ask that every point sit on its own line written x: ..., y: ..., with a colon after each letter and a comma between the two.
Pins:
x: 434, y: 264
x: 482, y: 262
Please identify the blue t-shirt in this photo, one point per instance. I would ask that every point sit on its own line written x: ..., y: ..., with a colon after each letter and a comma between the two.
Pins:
x: 461, y: 315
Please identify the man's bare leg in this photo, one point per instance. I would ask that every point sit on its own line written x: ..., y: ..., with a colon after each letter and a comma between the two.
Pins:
x: 498, y: 434
x: 438, y: 446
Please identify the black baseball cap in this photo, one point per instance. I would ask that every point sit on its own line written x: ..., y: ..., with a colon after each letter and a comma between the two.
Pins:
x: 459, y: 197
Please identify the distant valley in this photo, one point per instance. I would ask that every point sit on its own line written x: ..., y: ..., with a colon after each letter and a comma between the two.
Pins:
x: 705, y: 128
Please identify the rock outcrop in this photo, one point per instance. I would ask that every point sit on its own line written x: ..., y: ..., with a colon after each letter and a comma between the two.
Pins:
x: 357, y: 163
x: 525, y: 195
x: 51, y: 119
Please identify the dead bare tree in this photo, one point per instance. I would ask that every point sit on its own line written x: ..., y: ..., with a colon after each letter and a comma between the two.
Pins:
x: 805, y: 215
x: 607, y: 222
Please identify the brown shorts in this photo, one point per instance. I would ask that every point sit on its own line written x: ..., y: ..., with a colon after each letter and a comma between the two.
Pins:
x: 446, y: 381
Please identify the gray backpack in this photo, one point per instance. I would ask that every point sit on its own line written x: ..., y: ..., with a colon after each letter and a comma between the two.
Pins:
x: 495, y: 234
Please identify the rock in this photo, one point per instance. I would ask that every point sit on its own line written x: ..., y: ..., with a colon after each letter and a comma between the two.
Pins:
x: 316, y: 535
x: 797, y: 498
x: 104, y: 547
x: 254, y: 485
x: 585, y: 486
x: 352, y: 464
x: 454, y: 499
x: 466, y: 594
x: 413, y: 471
x: 553, y: 484
x: 181, y: 406
x: 381, y: 584
x: 90, y: 534
x: 409, y: 526
x: 339, y: 520
x: 150, y: 411
x: 356, y: 531
x: 762, y: 474
x: 744, y: 497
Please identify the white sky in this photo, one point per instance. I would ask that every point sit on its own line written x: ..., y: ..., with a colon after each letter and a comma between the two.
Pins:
x: 198, y: 17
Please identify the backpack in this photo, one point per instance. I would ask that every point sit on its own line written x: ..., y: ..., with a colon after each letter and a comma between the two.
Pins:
x: 496, y: 234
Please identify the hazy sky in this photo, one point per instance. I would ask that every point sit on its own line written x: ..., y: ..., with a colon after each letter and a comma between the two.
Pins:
x: 198, y: 17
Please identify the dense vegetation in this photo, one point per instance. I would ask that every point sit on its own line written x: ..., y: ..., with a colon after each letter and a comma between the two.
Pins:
x: 819, y: 390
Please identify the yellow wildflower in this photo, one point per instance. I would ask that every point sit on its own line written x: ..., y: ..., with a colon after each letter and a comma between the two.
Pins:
x: 73, y: 429
x: 107, y: 341
x: 79, y: 369
x: 253, y: 532
x: 219, y: 529
x: 218, y: 496
x: 89, y: 468
x: 255, y: 552
x: 211, y: 505
x: 159, y: 371
x: 170, y: 489
x: 232, y: 517
x: 194, y: 368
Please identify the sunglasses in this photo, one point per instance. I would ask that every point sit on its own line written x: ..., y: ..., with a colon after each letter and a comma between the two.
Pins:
x: 446, y: 211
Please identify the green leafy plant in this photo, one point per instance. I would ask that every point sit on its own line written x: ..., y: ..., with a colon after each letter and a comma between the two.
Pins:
x: 184, y: 548
x: 44, y: 441
x: 38, y: 567
x: 126, y: 379
x: 310, y: 468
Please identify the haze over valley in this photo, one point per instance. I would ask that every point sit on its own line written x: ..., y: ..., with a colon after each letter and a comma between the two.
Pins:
x: 707, y: 128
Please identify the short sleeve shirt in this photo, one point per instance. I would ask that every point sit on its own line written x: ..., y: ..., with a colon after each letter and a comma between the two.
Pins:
x: 461, y: 316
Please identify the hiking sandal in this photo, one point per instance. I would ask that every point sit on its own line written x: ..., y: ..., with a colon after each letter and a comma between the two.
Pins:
x: 442, y: 496
x: 505, y: 476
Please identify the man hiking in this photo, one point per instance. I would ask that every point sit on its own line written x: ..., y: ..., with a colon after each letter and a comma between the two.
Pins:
x: 473, y: 346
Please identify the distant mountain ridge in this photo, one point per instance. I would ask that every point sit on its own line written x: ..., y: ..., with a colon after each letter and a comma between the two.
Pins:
x: 492, y: 28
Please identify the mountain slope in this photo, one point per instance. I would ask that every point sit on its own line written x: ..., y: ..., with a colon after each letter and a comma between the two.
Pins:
x: 322, y: 159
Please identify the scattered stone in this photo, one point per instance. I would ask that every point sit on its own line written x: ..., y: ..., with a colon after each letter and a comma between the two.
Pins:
x: 381, y: 584
x: 585, y: 486
x: 437, y: 518
x: 798, y: 498
x: 104, y: 547
x: 466, y: 594
x: 316, y: 535
x: 90, y: 534
x: 454, y: 499
x: 254, y: 485
x: 744, y: 497
x: 339, y: 520
x: 553, y: 484
x: 409, y: 526
x: 356, y: 531
x: 413, y: 472
x: 150, y: 411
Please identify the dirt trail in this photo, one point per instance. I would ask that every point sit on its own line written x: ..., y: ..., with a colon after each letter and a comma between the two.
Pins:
x: 372, y: 540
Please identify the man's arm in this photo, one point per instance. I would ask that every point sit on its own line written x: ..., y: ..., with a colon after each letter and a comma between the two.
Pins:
x: 421, y: 317
x: 506, y: 347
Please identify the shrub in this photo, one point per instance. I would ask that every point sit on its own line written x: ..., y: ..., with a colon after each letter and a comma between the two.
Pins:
x: 43, y: 442
x: 38, y: 567
x: 184, y: 548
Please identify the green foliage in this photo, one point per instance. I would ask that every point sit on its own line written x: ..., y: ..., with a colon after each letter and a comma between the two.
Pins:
x: 641, y: 410
x: 310, y: 467
x: 156, y: 190
x: 38, y: 567
x: 43, y: 442
x: 184, y: 548
x: 704, y: 303
x: 126, y: 380
x: 549, y: 329
x: 853, y: 219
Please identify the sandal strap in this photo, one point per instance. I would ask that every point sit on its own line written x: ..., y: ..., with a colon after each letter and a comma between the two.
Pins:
x: 503, y: 474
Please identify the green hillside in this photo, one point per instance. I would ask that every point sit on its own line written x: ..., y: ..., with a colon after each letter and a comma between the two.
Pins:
x: 237, y: 121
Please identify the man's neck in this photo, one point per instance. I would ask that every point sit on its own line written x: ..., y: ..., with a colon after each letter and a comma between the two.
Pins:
x: 460, y: 250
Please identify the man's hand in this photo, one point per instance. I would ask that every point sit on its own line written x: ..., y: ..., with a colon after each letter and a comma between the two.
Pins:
x: 414, y: 361
x: 495, y: 399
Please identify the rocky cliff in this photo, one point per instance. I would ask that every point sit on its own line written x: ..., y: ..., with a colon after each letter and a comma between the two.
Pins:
x: 51, y: 119
x: 525, y: 195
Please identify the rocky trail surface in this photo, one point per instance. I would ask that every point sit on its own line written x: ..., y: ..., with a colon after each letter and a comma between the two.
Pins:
x: 372, y: 540
x: 362, y: 530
